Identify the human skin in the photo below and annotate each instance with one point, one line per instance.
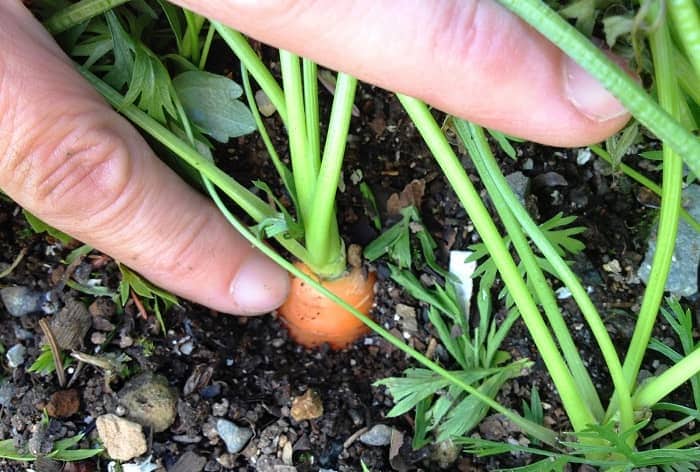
(67, 157)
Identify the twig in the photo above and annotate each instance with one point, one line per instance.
(55, 351)
(14, 264)
(139, 306)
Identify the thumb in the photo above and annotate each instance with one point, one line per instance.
(470, 58)
(68, 158)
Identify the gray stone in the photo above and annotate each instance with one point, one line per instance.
(520, 184)
(150, 401)
(235, 437)
(21, 301)
(189, 462)
(378, 435)
(683, 277)
(16, 355)
(122, 438)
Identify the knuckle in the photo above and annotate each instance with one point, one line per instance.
(68, 170)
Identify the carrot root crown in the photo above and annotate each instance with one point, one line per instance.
(313, 319)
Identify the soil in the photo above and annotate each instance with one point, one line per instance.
(248, 371)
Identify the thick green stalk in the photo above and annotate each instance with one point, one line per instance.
(576, 407)
(686, 20)
(313, 128)
(538, 431)
(304, 165)
(250, 203)
(656, 389)
(78, 13)
(578, 292)
(497, 187)
(672, 184)
(627, 90)
(322, 238)
(241, 48)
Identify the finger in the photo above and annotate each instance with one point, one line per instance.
(68, 158)
(469, 58)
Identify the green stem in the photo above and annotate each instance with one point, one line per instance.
(641, 179)
(78, 13)
(686, 20)
(322, 238)
(672, 183)
(304, 165)
(204, 55)
(251, 204)
(313, 127)
(656, 389)
(507, 205)
(627, 90)
(283, 171)
(543, 434)
(579, 413)
(241, 48)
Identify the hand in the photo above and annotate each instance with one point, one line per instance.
(75, 163)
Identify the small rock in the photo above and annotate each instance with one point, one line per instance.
(189, 462)
(122, 438)
(406, 316)
(186, 348)
(583, 156)
(63, 403)
(150, 401)
(612, 266)
(235, 437)
(220, 408)
(683, 277)
(98, 338)
(264, 104)
(378, 435)
(307, 406)
(549, 179)
(445, 453)
(22, 334)
(519, 183)
(21, 301)
(7, 393)
(16, 355)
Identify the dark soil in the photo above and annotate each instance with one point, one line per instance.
(248, 371)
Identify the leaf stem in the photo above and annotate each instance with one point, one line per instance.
(672, 184)
(627, 90)
(578, 410)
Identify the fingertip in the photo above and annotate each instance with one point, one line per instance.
(259, 286)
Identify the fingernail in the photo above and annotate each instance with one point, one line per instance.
(588, 95)
(260, 286)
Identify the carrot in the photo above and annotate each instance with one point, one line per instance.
(313, 319)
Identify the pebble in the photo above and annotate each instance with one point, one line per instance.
(220, 408)
(22, 334)
(16, 355)
(149, 401)
(683, 277)
(21, 301)
(189, 462)
(519, 183)
(186, 348)
(122, 438)
(235, 437)
(98, 338)
(445, 453)
(378, 435)
(264, 104)
(307, 406)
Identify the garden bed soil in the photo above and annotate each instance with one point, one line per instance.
(247, 370)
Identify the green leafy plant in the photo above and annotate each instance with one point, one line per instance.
(63, 450)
